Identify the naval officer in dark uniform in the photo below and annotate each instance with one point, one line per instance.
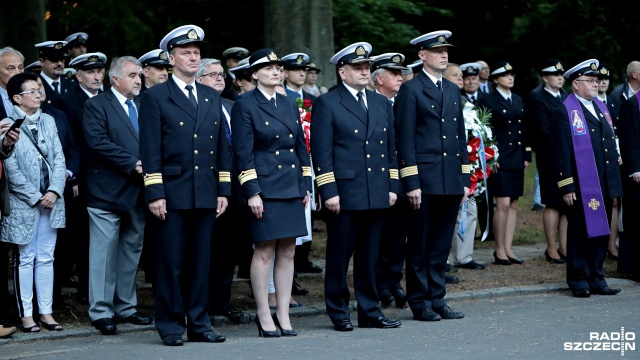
(434, 168)
(356, 170)
(588, 177)
(186, 162)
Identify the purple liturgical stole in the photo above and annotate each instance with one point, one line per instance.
(590, 192)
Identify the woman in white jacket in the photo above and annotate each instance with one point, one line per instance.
(36, 175)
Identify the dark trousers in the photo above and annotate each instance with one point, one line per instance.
(585, 256)
(149, 258)
(486, 210)
(357, 234)
(392, 249)
(231, 238)
(629, 250)
(182, 283)
(5, 302)
(72, 247)
(428, 244)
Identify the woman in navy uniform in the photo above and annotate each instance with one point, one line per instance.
(507, 184)
(275, 174)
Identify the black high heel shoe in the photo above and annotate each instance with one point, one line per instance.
(499, 261)
(266, 333)
(515, 260)
(283, 332)
(552, 260)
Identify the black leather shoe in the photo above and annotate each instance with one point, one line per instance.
(379, 323)
(537, 207)
(309, 268)
(446, 312)
(343, 325)
(581, 293)
(173, 340)
(451, 279)
(473, 265)
(229, 312)
(207, 337)
(400, 297)
(296, 289)
(552, 260)
(385, 297)
(515, 260)
(605, 291)
(499, 261)
(450, 268)
(138, 318)
(427, 314)
(106, 326)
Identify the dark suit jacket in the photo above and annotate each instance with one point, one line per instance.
(615, 101)
(72, 103)
(236, 189)
(509, 129)
(432, 147)
(604, 151)
(184, 151)
(479, 96)
(269, 148)
(69, 147)
(112, 182)
(66, 85)
(354, 153)
(629, 135)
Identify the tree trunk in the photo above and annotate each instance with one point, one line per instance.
(23, 26)
(302, 26)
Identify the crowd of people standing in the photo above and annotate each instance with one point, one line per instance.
(189, 168)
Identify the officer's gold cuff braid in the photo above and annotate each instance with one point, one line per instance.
(393, 174)
(247, 175)
(224, 176)
(325, 178)
(306, 171)
(152, 179)
(408, 171)
(565, 182)
(466, 169)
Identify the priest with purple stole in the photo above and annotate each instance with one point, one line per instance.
(588, 175)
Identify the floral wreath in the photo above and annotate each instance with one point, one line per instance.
(304, 107)
(480, 144)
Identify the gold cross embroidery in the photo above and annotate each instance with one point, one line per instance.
(593, 204)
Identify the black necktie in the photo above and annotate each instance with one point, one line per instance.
(472, 98)
(439, 85)
(55, 87)
(44, 170)
(559, 97)
(509, 101)
(273, 101)
(191, 97)
(227, 130)
(361, 101)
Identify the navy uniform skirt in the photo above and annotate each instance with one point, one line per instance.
(507, 183)
(282, 218)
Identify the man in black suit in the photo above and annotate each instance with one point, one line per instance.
(53, 55)
(64, 249)
(624, 91)
(187, 180)
(538, 109)
(231, 234)
(355, 163)
(434, 169)
(89, 75)
(114, 198)
(587, 175)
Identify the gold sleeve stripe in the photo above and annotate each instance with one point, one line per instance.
(527, 149)
(408, 171)
(565, 182)
(325, 179)
(393, 174)
(152, 179)
(224, 176)
(247, 175)
(306, 171)
(466, 169)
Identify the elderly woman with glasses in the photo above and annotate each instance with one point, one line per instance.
(36, 174)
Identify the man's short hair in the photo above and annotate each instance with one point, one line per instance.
(117, 66)
(204, 65)
(8, 50)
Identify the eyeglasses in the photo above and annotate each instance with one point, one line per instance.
(590, 81)
(214, 75)
(32, 92)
